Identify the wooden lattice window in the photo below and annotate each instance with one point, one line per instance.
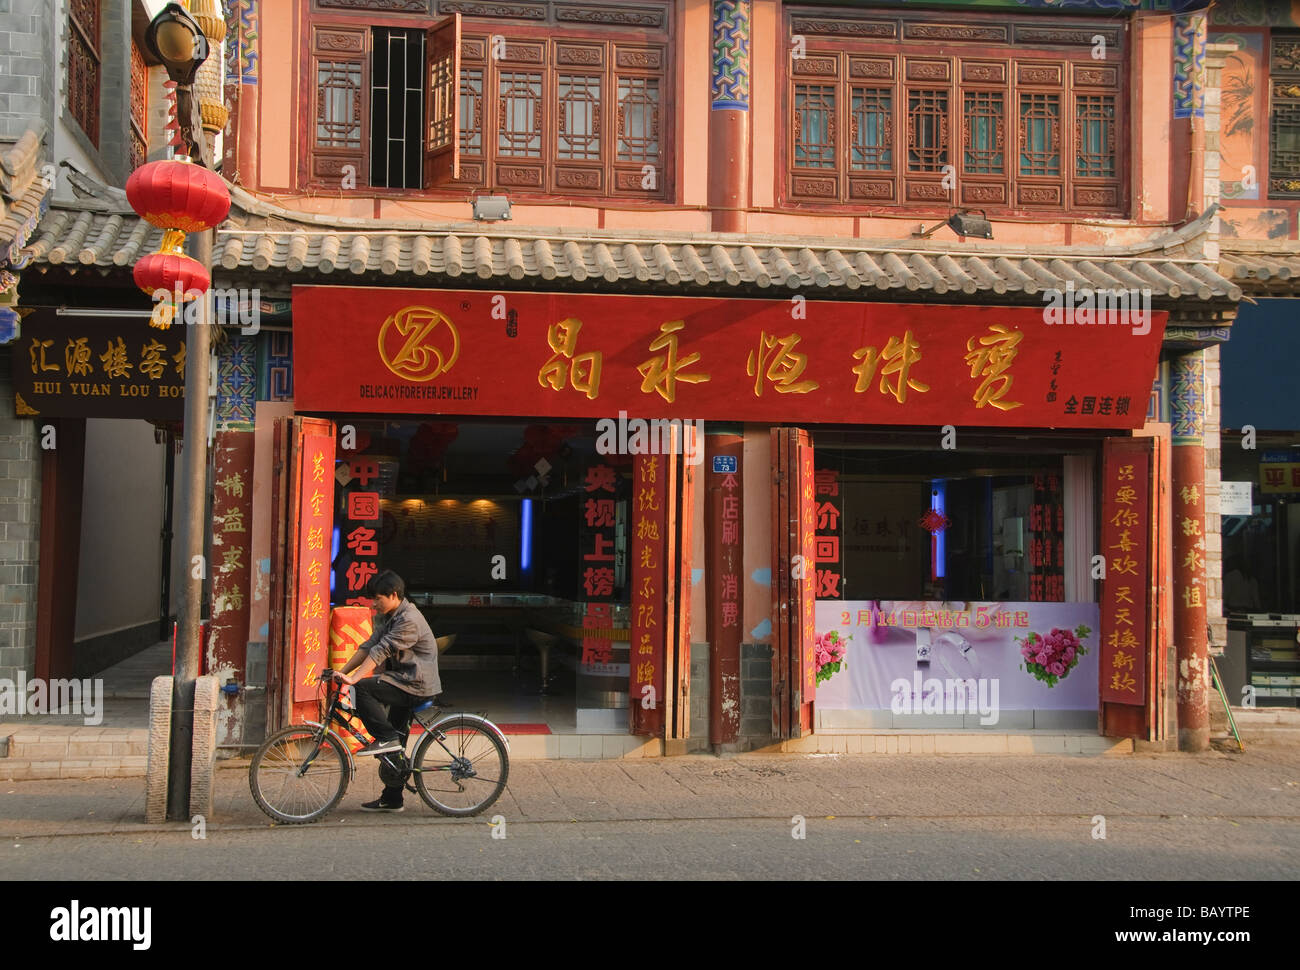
(994, 113)
(139, 143)
(871, 130)
(84, 25)
(1040, 134)
(1094, 141)
(983, 133)
(1284, 117)
(569, 107)
(927, 130)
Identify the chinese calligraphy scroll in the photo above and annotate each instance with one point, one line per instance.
(724, 535)
(1125, 545)
(232, 517)
(650, 596)
(316, 526)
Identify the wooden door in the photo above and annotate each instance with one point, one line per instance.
(794, 583)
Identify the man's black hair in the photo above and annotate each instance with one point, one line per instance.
(387, 583)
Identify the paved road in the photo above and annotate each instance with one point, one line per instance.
(1215, 816)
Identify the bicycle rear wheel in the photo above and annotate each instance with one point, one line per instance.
(461, 766)
(283, 789)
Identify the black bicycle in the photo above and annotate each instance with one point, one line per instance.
(459, 766)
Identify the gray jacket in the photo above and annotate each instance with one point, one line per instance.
(404, 649)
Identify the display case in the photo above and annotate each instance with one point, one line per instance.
(1272, 657)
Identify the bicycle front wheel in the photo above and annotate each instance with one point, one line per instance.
(461, 766)
(297, 776)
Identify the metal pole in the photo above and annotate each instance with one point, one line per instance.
(169, 498)
(193, 486)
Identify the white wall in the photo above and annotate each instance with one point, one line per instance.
(121, 521)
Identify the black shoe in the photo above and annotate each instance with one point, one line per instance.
(380, 747)
(379, 805)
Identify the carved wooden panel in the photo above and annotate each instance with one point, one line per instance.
(424, 7)
(587, 179)
(612, 15)
(871, 67)
(511, 11)
(824, 188)
(919, 70)
(816, 65)
(993, 193)
(338, 40)
(473, 48)
(872, 190)
(1096, 197)
(1038, 195)
(1089, 75)
(585, 56)
(996, 33)
(631, 181)
(517, 53)
(844, 28)
(525, 176)
(1066, 36)
(645, 59)
(983, 72)
(1030, 73)
(927, 192)
(471, 172)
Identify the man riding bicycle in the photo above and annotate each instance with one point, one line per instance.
(405, 651)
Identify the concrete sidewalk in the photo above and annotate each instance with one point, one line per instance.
(1263, 782)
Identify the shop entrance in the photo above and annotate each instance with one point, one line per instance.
(521, 542)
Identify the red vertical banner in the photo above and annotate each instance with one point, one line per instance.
(359, 535)
(1126, 589)
(724, 560)
(650, 496)
(807, 590)
(829, 555)
(316, 524)
(232, 517)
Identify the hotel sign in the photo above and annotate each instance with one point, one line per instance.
(399, 351)
(96, 367)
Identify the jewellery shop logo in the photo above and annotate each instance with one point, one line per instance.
(958, 693)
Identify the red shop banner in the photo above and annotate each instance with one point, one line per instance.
(1125, 539)
(649, 578)
(411, 351)
(316, 515)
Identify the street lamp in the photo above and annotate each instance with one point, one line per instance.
(175, 38)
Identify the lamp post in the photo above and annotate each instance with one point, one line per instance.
(175, 39)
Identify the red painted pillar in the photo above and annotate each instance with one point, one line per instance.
(243, 40)
(1187, 130)
(729, 115)
(724, 563)
(1188, 405)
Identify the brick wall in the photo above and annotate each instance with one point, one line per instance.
(26, 80)
(20, 499)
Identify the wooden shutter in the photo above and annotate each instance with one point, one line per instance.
(794, 583)
(339, 112)
(442, 103)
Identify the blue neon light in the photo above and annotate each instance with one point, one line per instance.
(938, 499)
(334, 555)
(526, 535)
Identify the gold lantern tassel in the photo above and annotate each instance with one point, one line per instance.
(164, 312)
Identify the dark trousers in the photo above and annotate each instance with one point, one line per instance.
(384, 710)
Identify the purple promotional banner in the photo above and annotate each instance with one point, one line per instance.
(901, 656)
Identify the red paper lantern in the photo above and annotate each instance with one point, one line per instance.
(171, 272)
(177, 194)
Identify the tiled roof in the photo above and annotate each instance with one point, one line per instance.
(1263, 267)
(24, 194)
(262, 241)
